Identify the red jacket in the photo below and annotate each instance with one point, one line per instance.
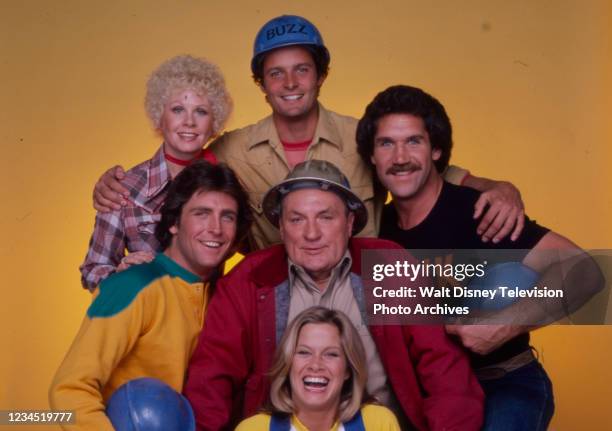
(430, 375)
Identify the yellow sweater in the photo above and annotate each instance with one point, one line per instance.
(144, 322)
(375, 418)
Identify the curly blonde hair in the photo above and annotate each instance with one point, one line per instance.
(185, 72)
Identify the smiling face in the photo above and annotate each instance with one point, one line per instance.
(403, 155)
(290, 82)
(315, 228)
(206, 232)
(186, 124)
(318, 369)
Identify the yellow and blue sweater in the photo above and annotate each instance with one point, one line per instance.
(375, 418)
(143, 322)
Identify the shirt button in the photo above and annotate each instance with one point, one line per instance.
(262, 297)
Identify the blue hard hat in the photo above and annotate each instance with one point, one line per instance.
(148, 404)
(286, 30)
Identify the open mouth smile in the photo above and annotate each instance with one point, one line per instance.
(188, 136)
(315, 383)
(211, 244)
(403, 171)
(292, 97)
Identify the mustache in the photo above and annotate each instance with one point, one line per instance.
(404, 167)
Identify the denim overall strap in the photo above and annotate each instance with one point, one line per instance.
(280, 423)
(355, 424)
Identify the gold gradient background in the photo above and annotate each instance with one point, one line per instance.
(528, 85)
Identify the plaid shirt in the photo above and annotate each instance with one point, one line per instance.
(133, 226)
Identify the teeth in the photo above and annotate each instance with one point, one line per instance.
(315, 380)
(213, 244)
(294, 97)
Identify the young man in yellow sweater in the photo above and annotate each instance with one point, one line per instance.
(144, 321)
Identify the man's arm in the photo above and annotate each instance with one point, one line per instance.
(562, 265)
(506, 210)
(99, 346)
(505, 214)
(109, 194)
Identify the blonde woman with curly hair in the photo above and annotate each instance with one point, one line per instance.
(318, 380)
(188, 105)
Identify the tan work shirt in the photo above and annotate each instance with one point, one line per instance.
(338, 295)
(257, 156)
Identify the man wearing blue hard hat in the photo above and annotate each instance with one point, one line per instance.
(290, 63)
(405, 135)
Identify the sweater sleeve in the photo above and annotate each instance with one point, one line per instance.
(101, 343)
(379, 418)
(259, 422)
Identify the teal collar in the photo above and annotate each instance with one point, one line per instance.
(176, 270)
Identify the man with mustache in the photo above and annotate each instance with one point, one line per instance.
(405, 135)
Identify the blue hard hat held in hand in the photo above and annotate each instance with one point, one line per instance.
(509, 274)
(286, 30)
(148, 404)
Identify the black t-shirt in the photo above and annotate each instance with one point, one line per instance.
(450, 225)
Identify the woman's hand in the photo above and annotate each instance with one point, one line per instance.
(135, 258)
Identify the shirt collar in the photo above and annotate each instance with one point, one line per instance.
(154, 181)
(265, 131)
(174, 269)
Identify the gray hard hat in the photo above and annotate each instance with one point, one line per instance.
(315, 174)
